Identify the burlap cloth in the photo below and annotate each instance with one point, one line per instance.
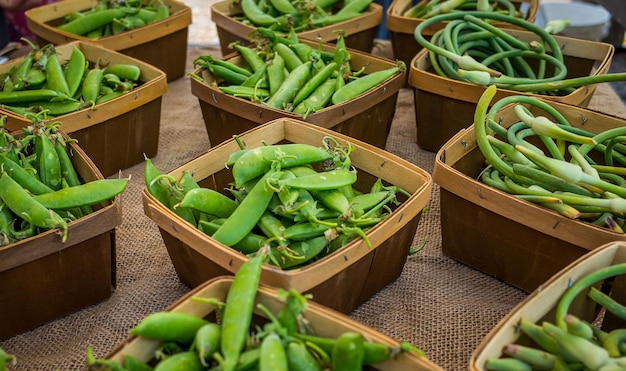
(441, 306)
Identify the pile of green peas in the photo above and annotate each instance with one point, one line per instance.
(299, 15)
(40, 189)
(42, 82)
(298, 199)
(284, 342)
(110, 17)
(286, 74)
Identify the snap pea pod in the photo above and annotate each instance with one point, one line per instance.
(92, 21)
(256, 161)
(246, 215)
(365, 83)
(24, 205)
(290, 87)
(90, 193)
(238, 311)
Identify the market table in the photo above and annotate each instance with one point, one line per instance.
(441, 306)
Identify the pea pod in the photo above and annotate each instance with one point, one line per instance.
(251, 243)
(89, 193)
(273, 355)
(92, 21)
(246, 215)
(326, 180)
(91, 85)
(184, 361)
(257, 161)
(347, 354)
(208, 201)
(300, 359)
(48, 160)
(290, 87)
(315, 82)
(25, 179)
(125, 71)
(55, 77)
(318, 99)
(169, 326)
(292, 61)
(26, 96)
(207, 342)
(359, 86)
(275, 72)
(238, 311)
(24, 205)
(75, 70)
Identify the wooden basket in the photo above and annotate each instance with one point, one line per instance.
(162, 44)
(540, 305)
(367, 117)
(342, 280)
(360, 31)
(324, 322)
(117, 133)
(401, 28)
(518, 242)
(443, 106)
(44, 278)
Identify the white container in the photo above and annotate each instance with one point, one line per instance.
(589, 21)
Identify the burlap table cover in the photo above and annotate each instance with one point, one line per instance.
(441, 306)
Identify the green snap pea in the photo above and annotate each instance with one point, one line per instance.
(169, 326)
(304, 251)
(48, 161)
(300, 359)
(315, 82)
(24, 178)
(246, 215)
(24, 205)
(90, 88)
(238, 311)
(54, 108)
(75, 70)
(25, 96)
(133, 364)
(318, 99)
(251, 93)
(251, 242)
(290, 87)
(89, 193)
(252, 10)
(208, 201)
(373, 352)
(92, 21)
(305, 231)
(205, 60)
(359, 86)
(258, 79)
(354, 7)
(326, 180)
(124, 71)
(273, 355)
(257, 161)
(184, 361)
(292, 61)
(55, 77)
(207, 342)
(347, 354)
(153, 179)
(275, 72)
(249, 55)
